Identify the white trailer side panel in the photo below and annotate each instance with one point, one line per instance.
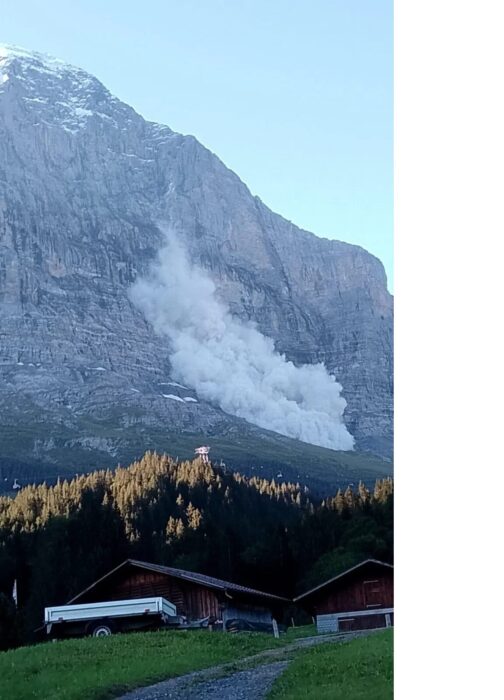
(110, 609)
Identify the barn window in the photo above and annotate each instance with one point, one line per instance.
(372, 594)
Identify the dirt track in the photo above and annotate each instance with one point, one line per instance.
(246, 679)
(253, 684)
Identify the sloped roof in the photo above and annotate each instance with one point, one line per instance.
(342, 575)
(202, 579)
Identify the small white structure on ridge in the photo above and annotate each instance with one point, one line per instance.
(203, 453)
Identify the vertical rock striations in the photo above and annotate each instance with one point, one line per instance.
(84, 184)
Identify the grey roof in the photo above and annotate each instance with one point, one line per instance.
(342, 575)
(203, 579)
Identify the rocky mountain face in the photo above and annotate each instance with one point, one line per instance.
(84, 184)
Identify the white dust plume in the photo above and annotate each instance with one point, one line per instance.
(230, 363)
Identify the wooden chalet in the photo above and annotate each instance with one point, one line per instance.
(196, 596)
(360, 598)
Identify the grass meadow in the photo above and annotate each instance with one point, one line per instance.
(358, 670)
(98, 668)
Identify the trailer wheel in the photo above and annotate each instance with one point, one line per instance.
(102, 630)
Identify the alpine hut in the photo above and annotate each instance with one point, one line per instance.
(359, 598)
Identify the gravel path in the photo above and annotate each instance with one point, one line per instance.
(253, 684)
(225, 682)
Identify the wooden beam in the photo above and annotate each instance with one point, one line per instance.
(360, 613)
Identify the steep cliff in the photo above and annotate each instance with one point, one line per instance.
(84, 184)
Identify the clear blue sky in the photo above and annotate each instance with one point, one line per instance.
(294, 95)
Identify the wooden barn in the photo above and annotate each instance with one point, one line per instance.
(196, 596)
(360, 598)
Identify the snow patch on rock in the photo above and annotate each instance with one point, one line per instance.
(173, 397)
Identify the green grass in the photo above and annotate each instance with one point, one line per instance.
(300, 632)
(358, 670)
(97, 669)
(94, 669)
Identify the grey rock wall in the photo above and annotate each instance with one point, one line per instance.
(85, 183)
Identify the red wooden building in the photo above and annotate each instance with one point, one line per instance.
(196, 596)
(360, 598)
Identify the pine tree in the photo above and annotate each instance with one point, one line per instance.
(349, 498)
(194, 517)
(339, 501)
(364, 495)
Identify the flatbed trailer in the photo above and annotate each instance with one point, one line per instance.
(106, 618)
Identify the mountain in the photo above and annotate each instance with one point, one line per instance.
(84, 184)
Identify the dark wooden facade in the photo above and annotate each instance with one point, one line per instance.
(195, 596)
(191, 600)
(367, 587)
